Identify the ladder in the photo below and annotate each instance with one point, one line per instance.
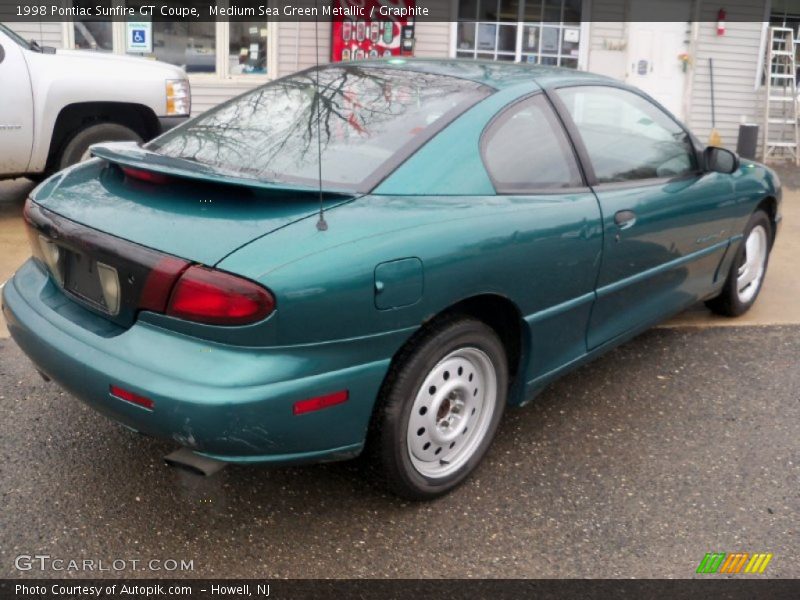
(781, 112)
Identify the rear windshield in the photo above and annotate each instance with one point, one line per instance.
(371, 119)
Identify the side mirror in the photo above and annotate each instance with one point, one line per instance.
(720, 160)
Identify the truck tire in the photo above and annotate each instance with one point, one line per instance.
(77, 147)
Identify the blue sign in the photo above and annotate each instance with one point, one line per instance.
(138, 36)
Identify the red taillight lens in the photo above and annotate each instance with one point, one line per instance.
(217, 298)
(128, 396)
(159, 283)
(148, 176)
(320, 402)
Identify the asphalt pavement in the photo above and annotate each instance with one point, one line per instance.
(679, 443)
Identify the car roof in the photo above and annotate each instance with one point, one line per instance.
(498, 75)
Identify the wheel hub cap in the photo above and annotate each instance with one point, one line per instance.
(751, 271)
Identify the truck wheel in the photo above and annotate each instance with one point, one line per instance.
(77, 147)
(440, 408)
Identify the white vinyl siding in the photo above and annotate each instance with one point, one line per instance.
(298, 46)
(433, 39)
(607, 38)
(736, 59)
(45, 33)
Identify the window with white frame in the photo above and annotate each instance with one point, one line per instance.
(221, 48)
(546, 32)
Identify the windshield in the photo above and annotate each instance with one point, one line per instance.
(15, 36)
(371, 119)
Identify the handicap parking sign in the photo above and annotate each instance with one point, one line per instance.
(140, 37)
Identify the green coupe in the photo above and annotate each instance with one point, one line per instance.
(379, 257)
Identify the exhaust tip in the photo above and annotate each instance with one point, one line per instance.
(194, 463)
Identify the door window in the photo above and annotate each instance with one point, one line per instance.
(627, 137)
(525, 149)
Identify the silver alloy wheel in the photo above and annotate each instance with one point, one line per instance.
(751, 271)
(452, 412)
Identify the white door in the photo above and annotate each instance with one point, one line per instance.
(654, 65)
(16, 108)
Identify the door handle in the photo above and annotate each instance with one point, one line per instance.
(625, 219)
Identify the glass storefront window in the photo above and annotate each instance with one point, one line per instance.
(188, 44)
(551, 34)
(92, 35)
(221, 48)
(247, 48)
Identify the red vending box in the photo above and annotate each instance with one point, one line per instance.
(358, 36)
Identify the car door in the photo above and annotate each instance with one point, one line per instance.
(16, 108)
(666, 223)
(556, 229)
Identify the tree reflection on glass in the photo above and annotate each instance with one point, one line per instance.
(367, 116)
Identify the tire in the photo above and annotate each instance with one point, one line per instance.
(78, 145)
(749, 263)
(440, 407)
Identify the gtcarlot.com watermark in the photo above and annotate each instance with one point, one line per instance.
(45, 562)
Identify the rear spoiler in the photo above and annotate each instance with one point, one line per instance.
(133, 156)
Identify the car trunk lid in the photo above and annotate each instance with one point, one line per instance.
(97, 229)
(193, 213)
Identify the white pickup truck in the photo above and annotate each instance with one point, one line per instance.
(56, 103)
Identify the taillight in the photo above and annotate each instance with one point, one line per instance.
(218, 298)
(148, 176)
(159, 283)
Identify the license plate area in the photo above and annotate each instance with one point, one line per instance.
(85, 278)
(98, 270)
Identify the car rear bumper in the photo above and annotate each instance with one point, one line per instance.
(231, 403)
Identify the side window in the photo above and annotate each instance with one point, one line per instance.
(525, 149)
(627, 137)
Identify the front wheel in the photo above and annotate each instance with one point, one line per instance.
(440, 407)
(747, 271)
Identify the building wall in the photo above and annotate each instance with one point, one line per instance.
(608, 42)
(298, 47)
(46, 33)
(736, 59)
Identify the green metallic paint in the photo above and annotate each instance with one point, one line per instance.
(399, 283)
(228, 392)
(202, 222)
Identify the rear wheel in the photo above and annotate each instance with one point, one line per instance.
(747, 271)
(77, 147)
(440, 407)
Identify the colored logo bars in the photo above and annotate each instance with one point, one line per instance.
(720, 562)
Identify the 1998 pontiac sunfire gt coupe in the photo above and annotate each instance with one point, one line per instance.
(380, 255)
